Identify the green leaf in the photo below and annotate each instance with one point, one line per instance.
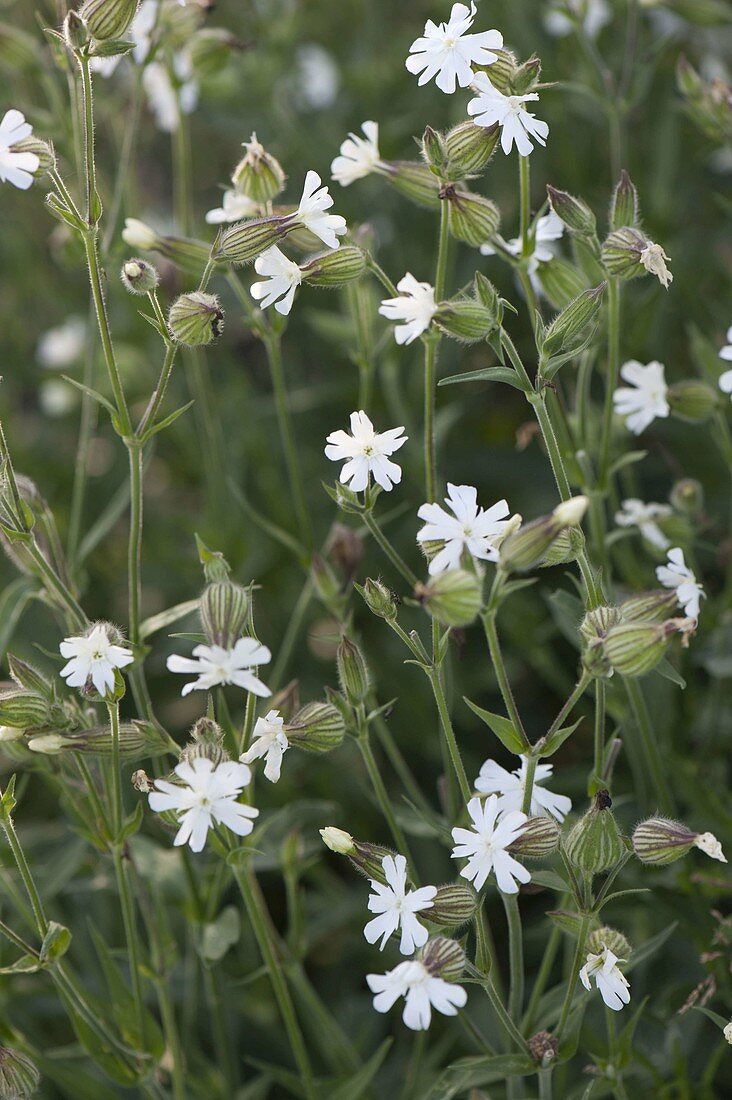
(650, 947)
(166, 422)
(487, 374)
(26, 964)
(13, 603)
(564, 919)
(503, 728)
(356, 1085)
(56, 942)
(557, 739)
(551, 880)
(622, 894)
(121, 1003)
(475, 1072)
(720, 1021)
(167, 618)
(628, 459)
(220, 934)
(624, 1042)
(111, 47)
(94, 394)
(666, 669)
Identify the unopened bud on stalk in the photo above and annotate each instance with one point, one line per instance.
(635, 648)
(23, 710)
(687, 496)
(692, 401)
(624, 205)
(434, 151)
(444, 958)
(366, 858)
(379, 599)
(465, 320)
(561, 550)
(453, 906)
(196, 319)
(539, 838)
(594, 843)
(526, 76)
(527, 546)
(186, 253)
(597, 622)
(413, 180)
(353, 672)
(108, 18)
(19, 1078)
(485, 292)
(628, 254)
(611, 938)
(325, 582)
(207, 741)
(76, 32)
(224, 608)
(571, 323)
(469, 148)
(473, 218)
(136, 739)
(453, 598)
(244, 241)
(333, 269)
(317, 727)
(30, 678)
(49, 744)
(660, 841)
(258, 175)
(337, 840)
(574, 213)
(649, 606)
(42, 150)
(503, 70)
(139, 277)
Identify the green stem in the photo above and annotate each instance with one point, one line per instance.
(525, 201)
(134, 551)
(124, 426)
(545, 1084)
(152, 410)
(92, 198)
(613, 368)
(531, 763)
(516, 956)
(648, 740)
(396, 560)
(600, 693)
(25, 874)
(380, 791)
(273, 347)
(494, 648)
(258, 919)
(121, 871)
(447, 728)
(116, 768)
(431, 349)
(87, 424)
(577, 693)
(76, 612)
(503, 1017)
(579, 952)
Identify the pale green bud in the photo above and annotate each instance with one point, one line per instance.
(465, 320)
(597, 622)
(444, 958)
(453, 598)
(379, 599)
(139, 277)
(108, 18)
(337, 840)
(527, 547)
(434, 151)
(473, 218)
(611, 938)
(635, 648)
(624, 205)
(648, 606)
(136, 740)
(23, 710)
(258, 175)
(687, 496)
(207, 741)
(453, 906)
(41, 149)
(353, 672)
(75, 30)
(503, 70)
(660, 841)
(29, 678)
(366, 858)
(317, 727)
(526, 76)
(693, 401)
(19, 1078)
(188, 254)
(195, 319)
(469, 148)
(244, 241)
(566, 329)
(224, 609)
(334, 268)
(561, 550)
(574, 213)
(539, 838)
(594, 843)
(413, 180)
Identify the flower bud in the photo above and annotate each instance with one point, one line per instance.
(473, 218)
(611, 938)
(595, 661)
(574, 213)
(136, 740)
(624, 205)
(23, 710)
(469, 148)
(327, 586)
(334, 268)
(660, 841)
(453, 906)
(597, 622)
(465, 319)
(337, 840)
(687, 496)
(434, 151)
(224, 608)
(379, 599)
(10, 733)
(693, 401)
(19, 1078)
(528, 546)
(453, 598)
(138, 234)
(571, 512)
(485, 292)
(561, 282)
(570, 324)
(49, 744)
(628, 254)
(503, 70)
(444, 958)
(108, 18)
(366, 858)
(414, 181)
(186, 253)
(317, 727)
(539, 838)
(258, 175)
(195, 319)
(75, 30)
(526, 76)
(139, 277)
(207, 741)
(244, 241)
(561, 550)
(635, 648)
(41, 149)
(353, 673)
(594, 843)
(648, 606)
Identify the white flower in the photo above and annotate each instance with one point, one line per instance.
(367, 453)
(447, 53)
(422, 991)
(62, 346)
(209, 797)
(518, 126)
(727, 1032)
(94, 657)
(470, 528)
(593, 16)
(396, 907)
(676, 574)
(215, 666)
(16, 168)
(283, 277)
(316, 199)
(613, 985)
(654, 260)
(139, 235)
(56, 398)
(165, 100)
(708, 843)
(646, 400)
(549, 228)
(317, 78)
(634, 513)
(416, 307)
(359, 156)
(484, 846)
(234, 208)
(510, 786)
(270, 740)
(726, 352)
(725, 380)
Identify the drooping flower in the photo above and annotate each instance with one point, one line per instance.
(282, 278)
(484, 846)
(645, 398)
(510, 786)
(654, 261)
(16, 167)
(635, 513)
(311, 212)
(469, 528)
(62, 346)
(725, 380)
(708, 843)
(727, 1032)
(421, 990)
(165, 100)
(93, 657)
(358, 155)
(415, 306)
(549, 229)
(366, 452)
(613, 986)
(209, 796)
(216, 666)
(270, 741)
(676, 574)
(234, 208)
(518, 126)
(396, 907)
(593, 15)
(447, 53)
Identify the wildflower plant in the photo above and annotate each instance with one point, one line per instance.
(503, 323)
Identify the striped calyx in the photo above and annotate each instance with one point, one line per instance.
(595, 844)
(660, 840)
